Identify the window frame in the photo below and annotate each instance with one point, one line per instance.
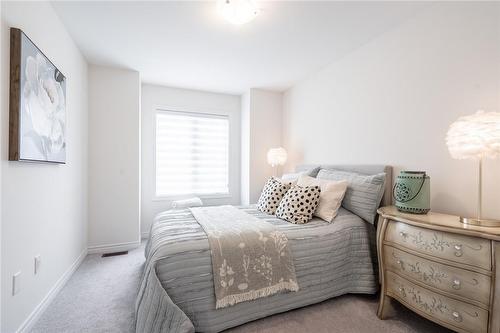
(203, 114)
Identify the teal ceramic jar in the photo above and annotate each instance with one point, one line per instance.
(412, 192)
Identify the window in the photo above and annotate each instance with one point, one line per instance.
(192, 154)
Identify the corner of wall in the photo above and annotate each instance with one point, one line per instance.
(114, 159)
(245, 148)
(262, 113)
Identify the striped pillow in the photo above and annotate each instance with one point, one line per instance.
(363, 194)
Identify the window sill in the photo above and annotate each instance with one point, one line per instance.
(201, 196)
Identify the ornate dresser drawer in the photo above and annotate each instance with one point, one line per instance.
(462, 249)
(440, 268)
(465, 284)
(459, 315)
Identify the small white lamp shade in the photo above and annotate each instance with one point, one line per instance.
(276, 156)
(475, 136)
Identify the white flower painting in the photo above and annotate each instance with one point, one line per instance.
(42, 122)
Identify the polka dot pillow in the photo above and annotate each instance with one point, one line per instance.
(299, 204)
(271, 195)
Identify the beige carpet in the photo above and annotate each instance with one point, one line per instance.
(346, 314)
(95, 300)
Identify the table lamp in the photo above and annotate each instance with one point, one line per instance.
(276, 157)
(476, 137)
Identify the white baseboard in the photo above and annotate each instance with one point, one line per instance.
(27, 325)
(109, 248)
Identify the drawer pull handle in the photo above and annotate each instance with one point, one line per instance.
(402, 234)
(456, 284)
(458, 250)
(399, 262)
(456, 316)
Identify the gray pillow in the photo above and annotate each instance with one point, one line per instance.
(363, 194)
(293, 177)
(311, 171)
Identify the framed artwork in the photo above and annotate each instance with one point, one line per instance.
(37, 106)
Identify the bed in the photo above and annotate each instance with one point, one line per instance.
(177, 291)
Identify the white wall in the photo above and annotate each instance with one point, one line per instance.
(114, 159)
(44, 206)
(154, 97)
(245, 148)
(392, 100)
(262, 113)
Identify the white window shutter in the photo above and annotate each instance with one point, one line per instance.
(192, 154)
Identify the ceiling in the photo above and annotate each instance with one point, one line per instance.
(186, 44)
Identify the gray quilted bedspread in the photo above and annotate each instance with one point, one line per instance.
(177, 290)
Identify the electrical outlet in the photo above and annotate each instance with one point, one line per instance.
(16, 283)
(38, 262)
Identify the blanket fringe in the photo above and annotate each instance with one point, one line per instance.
(254, 294)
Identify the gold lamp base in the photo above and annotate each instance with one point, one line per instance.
(480, 222)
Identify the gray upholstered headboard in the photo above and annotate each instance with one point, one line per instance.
(364, 169)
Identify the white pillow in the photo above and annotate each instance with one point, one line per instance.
(330, 198)
(186, 203)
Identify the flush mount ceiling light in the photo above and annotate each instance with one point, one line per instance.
(237, 11)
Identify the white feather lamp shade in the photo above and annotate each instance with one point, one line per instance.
(276, 156)
(475, 136)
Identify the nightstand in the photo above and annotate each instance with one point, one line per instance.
(445, 271)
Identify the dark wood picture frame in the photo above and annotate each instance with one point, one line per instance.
(15, 93)
(15, 97)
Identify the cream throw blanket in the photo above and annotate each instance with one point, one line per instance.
(250, 257)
